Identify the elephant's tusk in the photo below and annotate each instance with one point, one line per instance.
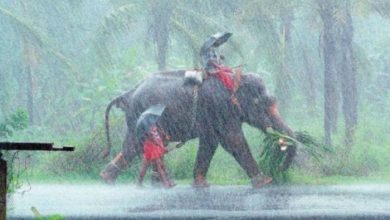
(283, 144)
(283, 147)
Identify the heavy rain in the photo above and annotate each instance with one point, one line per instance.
(170, 109)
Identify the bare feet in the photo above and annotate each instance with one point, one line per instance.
(261, 180)
(169, 185)
(200, 182)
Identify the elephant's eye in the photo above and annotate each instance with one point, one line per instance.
(256, 101)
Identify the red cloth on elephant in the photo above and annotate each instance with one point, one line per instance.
(225, 75)
(153, 146)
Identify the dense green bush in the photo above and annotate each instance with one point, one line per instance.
(14, 123)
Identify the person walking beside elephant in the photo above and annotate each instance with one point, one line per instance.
(154, 151)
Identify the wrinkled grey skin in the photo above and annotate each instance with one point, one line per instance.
(218, 121)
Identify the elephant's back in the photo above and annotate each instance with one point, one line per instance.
(167, 88)
(162, 86)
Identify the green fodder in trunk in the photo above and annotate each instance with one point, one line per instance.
(272, 156)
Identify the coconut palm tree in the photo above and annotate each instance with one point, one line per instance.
(340, 61)
(271, 24)
(164, 18)
(34, 45)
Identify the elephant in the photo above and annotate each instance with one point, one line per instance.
(213, 118)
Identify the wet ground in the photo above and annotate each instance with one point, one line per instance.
(220, 202)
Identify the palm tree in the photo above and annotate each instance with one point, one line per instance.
(164, 19)
(340, 62)
(274, 41)
(34, 44)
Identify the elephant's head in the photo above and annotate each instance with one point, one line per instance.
(260, 110)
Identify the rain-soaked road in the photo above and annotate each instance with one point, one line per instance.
(215, 202)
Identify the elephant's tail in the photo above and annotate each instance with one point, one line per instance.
(107, 151)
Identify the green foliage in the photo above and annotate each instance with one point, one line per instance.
(38, 215)
(180, 161)
(17, 121)
(272, 156)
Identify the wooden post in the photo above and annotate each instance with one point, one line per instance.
(3, 188)
(3, 166)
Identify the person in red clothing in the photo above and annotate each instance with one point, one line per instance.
(224, 74)
(154, 151)
(212, 60)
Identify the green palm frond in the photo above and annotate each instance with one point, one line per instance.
(272, 157)
(202, 19)
(24, 26)
(190, 37)
(118, 21)
(36, 37)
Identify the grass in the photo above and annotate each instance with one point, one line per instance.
(299, 178)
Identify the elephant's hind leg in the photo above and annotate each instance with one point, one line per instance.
(112, 169)
(122, 160)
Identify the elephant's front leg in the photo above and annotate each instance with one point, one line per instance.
(234, 142)
(207, 146)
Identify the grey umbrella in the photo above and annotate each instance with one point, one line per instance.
(216, 40)
(208, 50)
(147, 119)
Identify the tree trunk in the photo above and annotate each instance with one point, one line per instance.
(3, 188)
(309, 83)
(348, 80)
(161, 13)
(29, 63)
(283, 91)
(3, 95)
(339, 64)
(29, 93)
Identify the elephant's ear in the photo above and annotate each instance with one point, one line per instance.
(272, 107)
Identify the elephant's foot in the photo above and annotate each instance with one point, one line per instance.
(200, 182)
(260, 181)
(111, 171)
(108, 175)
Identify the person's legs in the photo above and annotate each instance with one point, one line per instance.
(167, 174)
(143, 170)
(162, 172)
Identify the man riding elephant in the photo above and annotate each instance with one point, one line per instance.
(211, 114)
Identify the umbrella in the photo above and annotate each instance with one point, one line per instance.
(147, 119)
(216, 40)
(221, 38)
(208, 50)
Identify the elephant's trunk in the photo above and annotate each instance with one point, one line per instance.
(279, 125)
(277, 122)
